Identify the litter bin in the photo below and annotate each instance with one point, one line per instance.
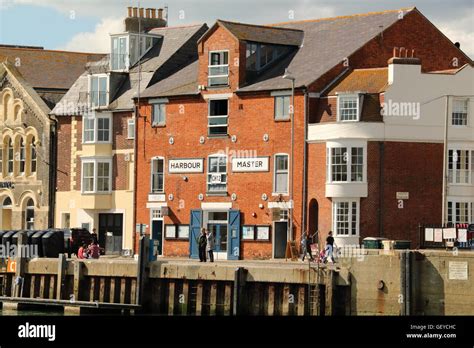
(37, 240)
(402, 244)
(8, 237)
(53, 243)
(29, 234)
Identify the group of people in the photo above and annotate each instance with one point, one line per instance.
(91, 251)
(206, 245)
(308, 239)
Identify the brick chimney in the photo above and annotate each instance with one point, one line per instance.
(403, 62)
(148, 19)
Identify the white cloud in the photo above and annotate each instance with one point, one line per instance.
(461, 31)
(97, 41)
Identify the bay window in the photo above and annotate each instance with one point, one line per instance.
(96, 175)
(345, 164)
(217, 173)
(460, 166)
(460, 212)
(97, 128)
(345, 217)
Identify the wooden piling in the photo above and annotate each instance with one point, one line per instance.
(213, 299)
(62, 264)
(199, 294)
(171, 289)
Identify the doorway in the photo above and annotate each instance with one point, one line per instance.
(313, 220)
(156, 237)
(217, 225)
(6, 214)
(280, 240)
(111, 232)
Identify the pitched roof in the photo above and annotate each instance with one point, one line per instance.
(365, 80)
(175, 49)
(47, 69)
(263, 34)
(326, 43)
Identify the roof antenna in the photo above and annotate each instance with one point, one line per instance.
(381, 34)
(166, 14)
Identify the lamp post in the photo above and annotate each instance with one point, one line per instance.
(288, 76)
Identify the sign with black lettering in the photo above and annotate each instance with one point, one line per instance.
(185, 165)
(254, 164)
(6, 184)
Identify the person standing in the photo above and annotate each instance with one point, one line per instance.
(329, 252)
(210, 245)
(202, 242)
(307, 241)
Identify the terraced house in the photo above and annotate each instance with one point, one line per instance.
(32, 81)
(267, 132)
(96, 127)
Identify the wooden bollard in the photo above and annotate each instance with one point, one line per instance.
(20, 264)
(62, 264)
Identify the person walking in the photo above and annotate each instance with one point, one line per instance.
(202, 242)
(306, 240)
(210, 245)
(329, 250)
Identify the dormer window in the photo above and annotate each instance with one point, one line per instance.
(218, 68)
(126, 50)
(98, 91)
(348, 107)
(258, 56)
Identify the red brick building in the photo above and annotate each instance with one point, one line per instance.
(214, 142)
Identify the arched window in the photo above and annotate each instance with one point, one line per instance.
(33, 155)
(10, 157)
(30, 215)
(22, 156)
(7, 203)
(1, 159)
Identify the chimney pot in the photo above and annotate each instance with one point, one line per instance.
(129, 11)
(141, 12)
(135, 11)
(160, 13)
(153, 13)
(148, 13)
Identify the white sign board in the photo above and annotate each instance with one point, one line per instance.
(186, 165)
(462, 235)
(215, 179)
(403, 195)
(429, 234)
(449, 233)
(458, 270)
(254, 164)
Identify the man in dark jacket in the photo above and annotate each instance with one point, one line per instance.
(202, 242)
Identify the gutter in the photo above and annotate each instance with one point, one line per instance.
(53, 154)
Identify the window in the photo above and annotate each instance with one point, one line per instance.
(460, 212)
(96, 175)
(97, 128)
(460, 166)
(157, 175)
(98, 90)
(10, 153)
(158, 115)
(217, 174)
(119, 56)
(131, 128)
(345, 164)
(281, 174)
(459, 114)
(217, 119)
(22, 156)
(30, 215)
(346, 217)
(33, 155)
(282, 107)
(218, 68)
(348, 108)
(103, 129)
(258, 56)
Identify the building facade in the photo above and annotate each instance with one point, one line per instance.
(96, 129)
(222, 145)
(32, 80)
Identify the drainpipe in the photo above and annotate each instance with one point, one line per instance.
(305, 164)
(445, 163)
(381, 186)
(53, 153)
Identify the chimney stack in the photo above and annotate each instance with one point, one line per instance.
(160, 13)
(141, 19)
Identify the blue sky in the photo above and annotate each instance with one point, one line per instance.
(84, 25)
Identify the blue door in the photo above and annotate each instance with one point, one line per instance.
(233, 244)
(195, 226)
(156, 245)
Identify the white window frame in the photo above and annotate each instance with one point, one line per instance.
(349, 146)
(350, 201)
(275, 192)
(98, 76)
(95, 161)
(131, 128)
(217, 116)
(128, 55)
(157, 158)
(96, 116)
(284, 117)
(452, 173)
(208, 173)
(458, 100)
(451, 212)
(342, 96)
(162, 112)
(22, 156)
(209, 77)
